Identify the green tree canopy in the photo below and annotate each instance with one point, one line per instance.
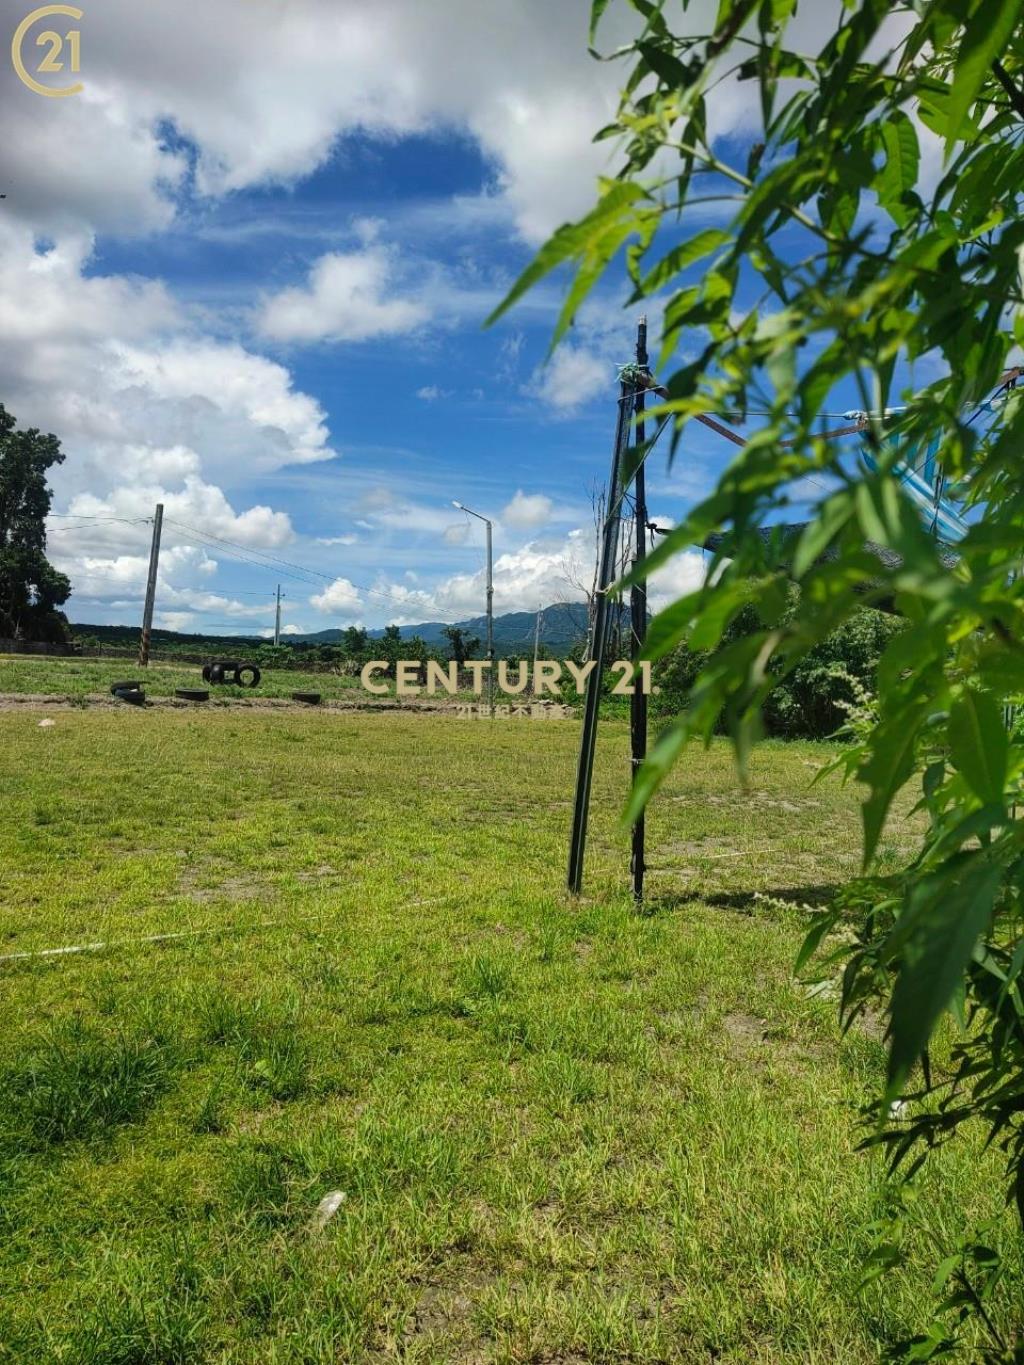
(31, 589)
(355, 642)
(461, 644)
(828, 254)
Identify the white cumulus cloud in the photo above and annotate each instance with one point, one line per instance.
(573, 376)
(349, 297)
(527, 511)
(340, 598)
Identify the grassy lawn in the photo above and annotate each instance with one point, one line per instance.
(564, 1132)
(76, 679)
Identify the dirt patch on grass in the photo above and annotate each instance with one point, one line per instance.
(700, 848)
(444, 1311)
(739, 800)
(26, 701)
(210, 881)
(746, 1031)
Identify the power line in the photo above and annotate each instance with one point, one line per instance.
(273, 559)
(313, 577)
(82, 516)
(252, 557)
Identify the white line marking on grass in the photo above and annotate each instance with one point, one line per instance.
(72, 949)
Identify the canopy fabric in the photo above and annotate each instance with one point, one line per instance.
(790, 532)
(921, 475)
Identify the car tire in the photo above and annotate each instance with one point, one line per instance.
(206, 673)
(134, 696)
(253, 673)
(310, 698)
(124, 687)
(191, 694)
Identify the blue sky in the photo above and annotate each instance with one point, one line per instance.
(255, 290)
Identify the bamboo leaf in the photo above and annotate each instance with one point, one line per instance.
(985, 36)
(677, 260)
(819, 534)
(898, 176)
(599, 234)
(597, 10)
(950, 915)
(979, 744)
(889, 767)
(656, 768)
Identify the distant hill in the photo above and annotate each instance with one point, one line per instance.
(128, 637)
(563, 625)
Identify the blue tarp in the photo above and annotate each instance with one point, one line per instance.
(919, 472)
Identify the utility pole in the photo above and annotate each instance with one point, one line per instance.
(628, 387)
(277, 619)
(490, 600)
(490, 620)
(154, 560)
(536, 647)
(638, 615)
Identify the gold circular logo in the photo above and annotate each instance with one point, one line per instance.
(58, 45)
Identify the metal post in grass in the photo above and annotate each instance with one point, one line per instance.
(490, 600)
(638, 615)
(277, 618)
(154, 560)
(599, 637)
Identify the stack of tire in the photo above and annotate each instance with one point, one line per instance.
(131, 692)
(230, 671)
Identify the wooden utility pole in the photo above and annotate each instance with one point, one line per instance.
(638, 616)
(536, 646)
(154, 561)
(277, 618)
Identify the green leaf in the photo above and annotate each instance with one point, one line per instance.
(667, 67)
(680, 257)
(671, 625)
(889, 767)
(657, 766)
(902, 162)
(810, 945)
(986, 34)
(979, 744)
(720, 606)
(819, 534)
(951, 913)
(597, 9)
(598, 235)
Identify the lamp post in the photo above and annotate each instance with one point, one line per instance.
(490, 601)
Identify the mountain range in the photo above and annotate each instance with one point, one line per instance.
(563, 624)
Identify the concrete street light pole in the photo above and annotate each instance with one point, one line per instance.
(490, 599)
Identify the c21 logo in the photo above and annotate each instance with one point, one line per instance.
(62, 50)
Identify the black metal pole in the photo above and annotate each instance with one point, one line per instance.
(599, 638)
(638, 616)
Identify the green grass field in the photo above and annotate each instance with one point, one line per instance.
(565, 1132)
(77, 679)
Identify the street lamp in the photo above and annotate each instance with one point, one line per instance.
(490, 600)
